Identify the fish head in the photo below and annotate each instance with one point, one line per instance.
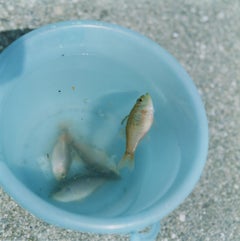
(60, 171)
(145, 101)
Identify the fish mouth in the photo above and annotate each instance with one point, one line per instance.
(147, 97)
(60, 176)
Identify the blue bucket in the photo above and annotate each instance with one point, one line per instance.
(87, 75)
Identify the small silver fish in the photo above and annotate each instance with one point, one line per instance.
(61, 156)
(96, 159)
(139, 122)
(78, 188)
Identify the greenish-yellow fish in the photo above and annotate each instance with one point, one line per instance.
(61, 156)
(139, 122)
(78, 188)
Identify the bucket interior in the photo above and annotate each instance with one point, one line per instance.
(88, 79)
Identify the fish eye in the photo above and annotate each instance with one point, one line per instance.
(140, 99)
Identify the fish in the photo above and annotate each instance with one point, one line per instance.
(61, 156)
(96, 160)
(139, 122)
(77, 188)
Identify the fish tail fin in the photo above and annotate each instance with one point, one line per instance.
(65, 132)
(127, 161)
(63, 127)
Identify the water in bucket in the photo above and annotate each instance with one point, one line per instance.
(91, 95)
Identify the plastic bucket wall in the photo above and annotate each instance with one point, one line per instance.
(89, 75)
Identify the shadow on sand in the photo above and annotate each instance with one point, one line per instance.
(7, 37)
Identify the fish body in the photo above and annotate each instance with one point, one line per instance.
(96, 159)
(139, 122)
(61, 156)
(78, 188)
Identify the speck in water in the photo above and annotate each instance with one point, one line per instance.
(100, 113)
(86, 101)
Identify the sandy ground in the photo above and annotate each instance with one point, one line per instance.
(205, 37)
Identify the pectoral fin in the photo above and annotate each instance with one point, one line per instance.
(124, 119)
